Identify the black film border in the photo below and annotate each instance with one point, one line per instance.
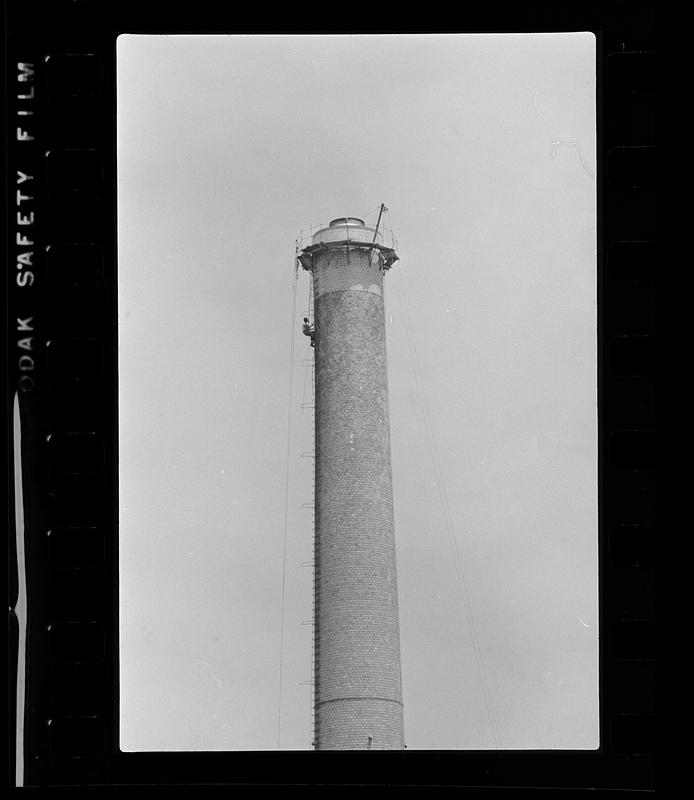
(62, 416)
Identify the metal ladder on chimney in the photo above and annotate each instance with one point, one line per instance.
(309, 364)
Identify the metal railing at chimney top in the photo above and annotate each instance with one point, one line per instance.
(386, 236)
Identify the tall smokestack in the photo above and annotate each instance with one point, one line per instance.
(358, 686)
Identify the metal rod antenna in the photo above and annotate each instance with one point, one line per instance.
(380, 213)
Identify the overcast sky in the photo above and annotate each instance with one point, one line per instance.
(483, 149)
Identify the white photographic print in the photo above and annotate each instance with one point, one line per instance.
(357, 301)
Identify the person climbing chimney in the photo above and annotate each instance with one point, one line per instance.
(309, 331)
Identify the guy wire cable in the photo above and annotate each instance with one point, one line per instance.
(447, 512)
(286, 501)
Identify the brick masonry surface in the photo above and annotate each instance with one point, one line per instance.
(358, 681)
(356, 270)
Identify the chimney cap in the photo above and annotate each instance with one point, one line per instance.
(341, 222)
